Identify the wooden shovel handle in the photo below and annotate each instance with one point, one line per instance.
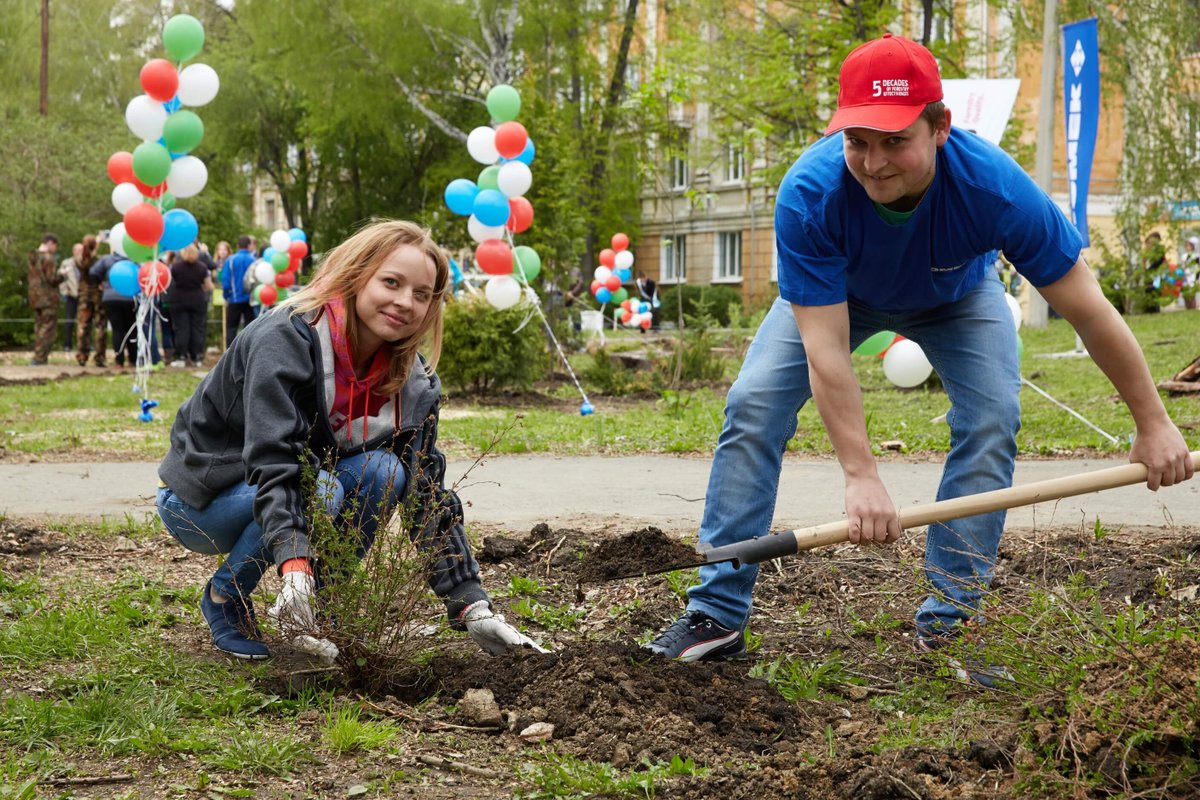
(972, 504)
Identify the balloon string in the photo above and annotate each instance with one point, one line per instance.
(1070, 411)
(536, 302)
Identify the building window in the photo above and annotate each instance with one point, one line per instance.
(727, 265)
(678, 167)
(735, 163)
(269, 204)
(674, 259)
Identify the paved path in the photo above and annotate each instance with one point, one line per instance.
(627, 492)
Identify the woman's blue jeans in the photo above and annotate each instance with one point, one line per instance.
(359, 492)
(972, 345)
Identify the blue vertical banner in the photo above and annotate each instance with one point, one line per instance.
(1081, 100)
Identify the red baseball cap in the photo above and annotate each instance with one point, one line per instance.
(885, 84)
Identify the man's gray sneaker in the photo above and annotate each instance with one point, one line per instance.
(698, 637)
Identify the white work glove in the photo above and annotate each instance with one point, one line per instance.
(293, 612)
(493, 635)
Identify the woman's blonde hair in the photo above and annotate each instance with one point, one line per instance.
(190, 253)
(347, 268)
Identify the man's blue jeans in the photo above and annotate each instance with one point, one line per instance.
(972, 345)
(358, 493)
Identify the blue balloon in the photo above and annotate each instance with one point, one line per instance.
(585, 408)
(460, 196)
(179, 229)
(268, 253)
(456, 272)
(603, 295)
(643, 308)
(526, 155)
(491, 207)
(123, 278)
(624, 275)
(297, 235)
(172, 105)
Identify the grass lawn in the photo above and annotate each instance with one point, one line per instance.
(95, 417)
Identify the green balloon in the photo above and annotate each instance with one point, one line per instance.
(280, 260)
(167, 201)
(876, 344)
(620, 296)
(136, 251)
(528, 261)
(151, 163)
(182, 131)
(489, 178)
(1020, 347)
(183, 36)
(503, 103)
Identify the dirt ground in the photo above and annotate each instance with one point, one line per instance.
(610, 702)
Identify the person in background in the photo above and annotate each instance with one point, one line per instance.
(44, 280)
(91, 321)
(191, 279)
(237, 300)
(648, 292)
(69, 290)
(329, 381)
(120, 310)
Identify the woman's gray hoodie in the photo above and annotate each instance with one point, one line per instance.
(262, 415)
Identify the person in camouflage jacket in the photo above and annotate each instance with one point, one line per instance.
(43, 297)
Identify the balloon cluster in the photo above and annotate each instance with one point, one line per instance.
(160, 170)
(279, 266)
(495, 204)
(616, 268)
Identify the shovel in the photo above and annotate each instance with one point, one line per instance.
(786, 543)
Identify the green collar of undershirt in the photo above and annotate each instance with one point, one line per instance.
(893, 217)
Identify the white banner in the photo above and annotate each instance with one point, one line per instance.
(982, 106)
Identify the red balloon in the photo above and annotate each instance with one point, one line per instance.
(147, 191)
(159, 79)
(494, 257)
(613, 283)
(144, 224)
(154, 277)
(520, 215)
(298, 249)
(267, 294)
(620, 242)
(608, 258)
(510, 139)
(293, 264)
(646, 323)
(285, 279)
(596, 286)
(626, 315)
(120, 167)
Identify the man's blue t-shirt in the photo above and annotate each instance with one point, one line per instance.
(834, 246)
(233, 278)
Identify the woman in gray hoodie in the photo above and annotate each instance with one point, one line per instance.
(328, 383)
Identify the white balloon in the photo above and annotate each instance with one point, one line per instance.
(1014, 308)
(280, 241)
(514, 179)
(116, 238)
(906, 365)
(198, 85)
(634, 320)
(602, 274)
(264, 272)
(125, 196)
(503, 291)
(481, 144)
(480, 232)
(145, 116)
(187, 177)
(624, 259)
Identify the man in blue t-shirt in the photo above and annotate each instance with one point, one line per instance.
(233, 285)
(893, 225)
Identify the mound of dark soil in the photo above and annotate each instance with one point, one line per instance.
(637, 553)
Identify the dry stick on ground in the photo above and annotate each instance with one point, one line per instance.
(92, 780)
(441, 763)
(436, 724)
(550, 555)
